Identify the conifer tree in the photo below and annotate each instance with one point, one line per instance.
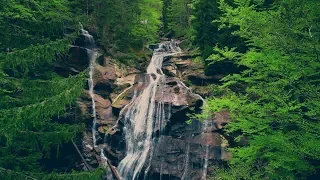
(32, 96)
(274, 102)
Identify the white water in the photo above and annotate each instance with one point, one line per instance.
(91, 85)
(104, 159)
(150, 159)
(88, 38)
(205, 125)
(90, 44)
(104, 162)
(186, 163)
(205, 165)
(161, 168)
(124, 91)
(139, 118)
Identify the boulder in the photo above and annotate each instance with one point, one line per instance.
(221, 119)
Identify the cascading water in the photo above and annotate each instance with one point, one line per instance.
(205, 166)
(143, 115)
(186, 163)
(91, 85)
(144, 123)
(206, 158)
(205, 125)
(92, 54)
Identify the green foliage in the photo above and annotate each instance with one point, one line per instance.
(21, 62)
(176, 20)
(146, 26)
(122, 25)
(32, 96)
(277, 114)
(222, 55)
(23, 23)
(9, 175)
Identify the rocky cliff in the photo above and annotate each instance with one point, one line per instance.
(184, 148)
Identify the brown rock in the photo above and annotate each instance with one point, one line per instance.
(221, 119)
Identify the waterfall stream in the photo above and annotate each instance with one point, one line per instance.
(205, 125)
(186, 163)
(91, 85)
(206, 158)
(92, 55)
(139, 118)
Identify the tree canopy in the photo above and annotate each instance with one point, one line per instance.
(32, 96)
(274, 101)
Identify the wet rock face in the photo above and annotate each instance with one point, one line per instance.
(79, 58)
(182, 152)
(177, 158)
(179, 140)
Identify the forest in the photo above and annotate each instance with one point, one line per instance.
(263, 54)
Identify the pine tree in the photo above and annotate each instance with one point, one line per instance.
(123, 25)
(274, 102)
(176, 18)
(32, 96)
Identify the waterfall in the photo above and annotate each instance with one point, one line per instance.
(206, 158)
(205, 125)
(91, 85)
(92, 54)
(143, 115)
(161, 167)
(205, 166)
(186, 163)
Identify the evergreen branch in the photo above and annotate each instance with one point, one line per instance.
(33, 56)
(8, 170)
(34, 113)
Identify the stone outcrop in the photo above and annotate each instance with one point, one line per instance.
(190, 72)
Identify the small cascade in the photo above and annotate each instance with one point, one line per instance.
(104, 159)
(92, 54)
(205, 126)
(205, 166)
(91, 85)
(186, 163)
(104, 162)
(161, 170)
(89, 40)
(160, 117)
(123, 92)
(150, 159)
(206, 158)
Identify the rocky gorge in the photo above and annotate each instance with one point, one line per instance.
(177, 149)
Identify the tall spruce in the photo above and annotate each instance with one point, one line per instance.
(126, 25)
(274, 102)
(32, 96)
